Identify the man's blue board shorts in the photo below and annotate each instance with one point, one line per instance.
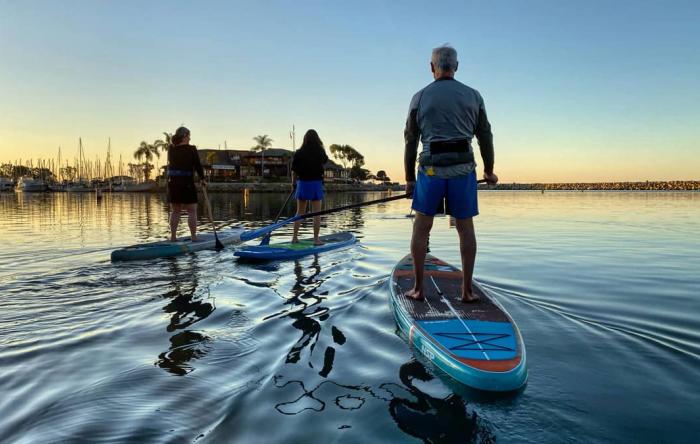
(309, 190)
(459, 193)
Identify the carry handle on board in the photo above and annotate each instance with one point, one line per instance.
(252, 234)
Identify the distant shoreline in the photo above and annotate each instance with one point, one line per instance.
(677, 185)
(599, 186)
(285, 187)
(593, 186)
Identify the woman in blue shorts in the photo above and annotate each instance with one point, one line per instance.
(307, 173)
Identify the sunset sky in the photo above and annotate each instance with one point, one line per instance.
(575, 91)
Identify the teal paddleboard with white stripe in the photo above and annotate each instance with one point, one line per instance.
(152, 250)
(477, 343)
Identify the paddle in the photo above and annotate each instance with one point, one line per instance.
(252, 234)
(266, 239)
(218, 245)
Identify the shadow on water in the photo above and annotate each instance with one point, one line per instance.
(185, 309)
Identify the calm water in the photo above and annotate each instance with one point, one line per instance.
(604, 286)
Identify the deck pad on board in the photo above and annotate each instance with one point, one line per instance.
(449, 280)
(307, 243)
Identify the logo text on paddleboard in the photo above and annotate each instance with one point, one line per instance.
(428, 354)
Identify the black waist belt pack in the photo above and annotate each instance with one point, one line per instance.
(448, 152)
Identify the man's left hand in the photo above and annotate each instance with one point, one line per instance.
(410, 187)
(491, 178)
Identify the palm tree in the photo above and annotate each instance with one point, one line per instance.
(263, 142)
(164, 145)
(146, 151)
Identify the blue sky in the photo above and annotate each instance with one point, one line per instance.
(579, 91)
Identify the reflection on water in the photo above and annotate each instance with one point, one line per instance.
(430, 418)
(185, 309)
(203, 348)
(305, 310)
(433, 419)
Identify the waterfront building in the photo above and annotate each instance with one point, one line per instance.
(332, 172)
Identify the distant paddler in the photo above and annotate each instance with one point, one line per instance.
(183, 162)
(445, 116)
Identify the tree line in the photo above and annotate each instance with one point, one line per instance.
(146, 152)
(345, 154)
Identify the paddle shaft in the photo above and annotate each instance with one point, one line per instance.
(252, 234)
(218, 243)
(284, 205)
(357, 205)
(348, 207)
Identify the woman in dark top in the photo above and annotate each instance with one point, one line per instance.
(183, 162)
(307, 173)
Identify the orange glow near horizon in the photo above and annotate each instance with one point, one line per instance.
(513, 164)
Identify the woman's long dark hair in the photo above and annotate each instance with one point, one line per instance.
(312, 143)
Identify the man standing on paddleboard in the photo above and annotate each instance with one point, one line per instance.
(445, 116)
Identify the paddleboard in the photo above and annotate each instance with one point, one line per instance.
(476, 343)
(205, 241)
(288, 250)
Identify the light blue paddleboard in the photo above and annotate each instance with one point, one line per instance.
(288, 250)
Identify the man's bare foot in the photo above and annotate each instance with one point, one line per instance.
(415, 294)
(173, 239)
(318, 242)
(469, 297)
(295, 240)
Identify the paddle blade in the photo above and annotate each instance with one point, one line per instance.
(265, 240)
(218, 245)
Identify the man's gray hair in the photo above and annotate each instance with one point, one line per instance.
(445, 59)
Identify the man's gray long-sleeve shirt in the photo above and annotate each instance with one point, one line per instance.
(446, 110)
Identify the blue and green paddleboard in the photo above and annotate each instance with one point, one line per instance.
(288, 250)
(477, 343)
